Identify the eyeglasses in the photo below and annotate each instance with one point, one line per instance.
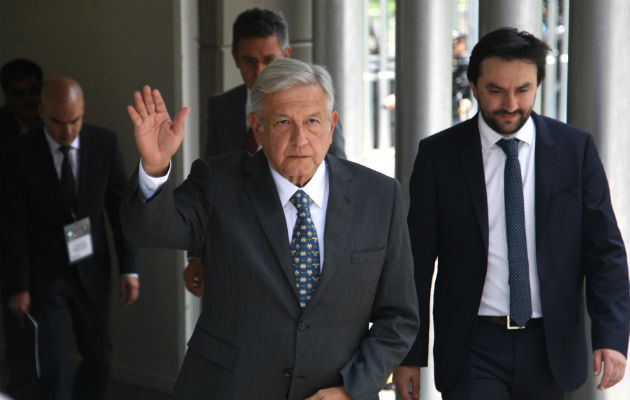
(33, 90)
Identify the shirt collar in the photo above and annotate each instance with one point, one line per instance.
(54, 146)
(315, 188)
(490, 137)
(248, 106)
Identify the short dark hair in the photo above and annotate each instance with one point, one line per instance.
(17, 70)
(260, 23)
(510, 44)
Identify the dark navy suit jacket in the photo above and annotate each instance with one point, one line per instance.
(578, 247)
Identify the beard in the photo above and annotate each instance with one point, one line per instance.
(502, 127)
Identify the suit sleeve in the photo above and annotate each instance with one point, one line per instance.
(127, 254)
(423, 232)
(171, 218)
(394, 315)
(606, 267)
(16, 263)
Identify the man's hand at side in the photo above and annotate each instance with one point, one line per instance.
(614, 367)
(129, 289)
(403, 376)
(193, 277)
(20, 304)
(332, 393)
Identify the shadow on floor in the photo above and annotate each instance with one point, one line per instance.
(121, 391)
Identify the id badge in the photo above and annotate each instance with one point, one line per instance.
(79, 240)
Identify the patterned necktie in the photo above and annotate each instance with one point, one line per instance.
(520, 296)
(67, 180)
(304, 249)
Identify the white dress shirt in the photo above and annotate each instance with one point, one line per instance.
(317, 189)
(248, 106)
(57, 155)
(495, 299)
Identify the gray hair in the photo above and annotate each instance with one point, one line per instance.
(287, 73)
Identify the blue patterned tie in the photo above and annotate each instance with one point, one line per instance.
(520, 296)
(304, 249)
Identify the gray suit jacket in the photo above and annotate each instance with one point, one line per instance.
(227, 128)
(252, 341)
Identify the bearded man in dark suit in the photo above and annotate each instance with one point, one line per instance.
(516, 209)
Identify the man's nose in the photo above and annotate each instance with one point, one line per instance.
(299, 135)
(510, 103)
(259, 67)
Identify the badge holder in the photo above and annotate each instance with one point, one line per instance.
(79, 240)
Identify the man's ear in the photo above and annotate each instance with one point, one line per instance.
(334, 117)
(287, 52)
(256, 127)
(474, 90)
(235, 59)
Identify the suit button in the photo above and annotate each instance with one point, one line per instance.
(287, 373)
(301, 325)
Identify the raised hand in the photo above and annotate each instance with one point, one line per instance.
(157, 137)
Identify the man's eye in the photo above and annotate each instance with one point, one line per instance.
(268, 60)
(282, 122)
(313, 121)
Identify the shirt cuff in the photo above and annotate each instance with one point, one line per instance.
(149, 185)
(135, 275)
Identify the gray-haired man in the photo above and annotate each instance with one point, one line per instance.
(279, 320)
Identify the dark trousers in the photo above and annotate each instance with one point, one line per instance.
(506, 365)
(91, 324)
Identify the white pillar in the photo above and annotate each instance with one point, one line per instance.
(423, 77)
(338, 45)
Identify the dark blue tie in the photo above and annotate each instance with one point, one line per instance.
(304, 249)
(68, 186)
(520, 296)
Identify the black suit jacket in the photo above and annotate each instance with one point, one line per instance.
(227, 127)
(38, 215)
(9, 126)
(252, 340)
(577, 242)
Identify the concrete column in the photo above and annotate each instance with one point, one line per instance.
(423, 78)
(522, 14)
(550, 85)
(598, 101)
(423, 97)
(338, 45)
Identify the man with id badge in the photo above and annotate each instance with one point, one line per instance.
(67, 175)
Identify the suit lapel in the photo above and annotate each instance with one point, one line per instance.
(82, 171)
(472, 168)
(339, 214)
(545, 164)
(44, 170)
(261, 191)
